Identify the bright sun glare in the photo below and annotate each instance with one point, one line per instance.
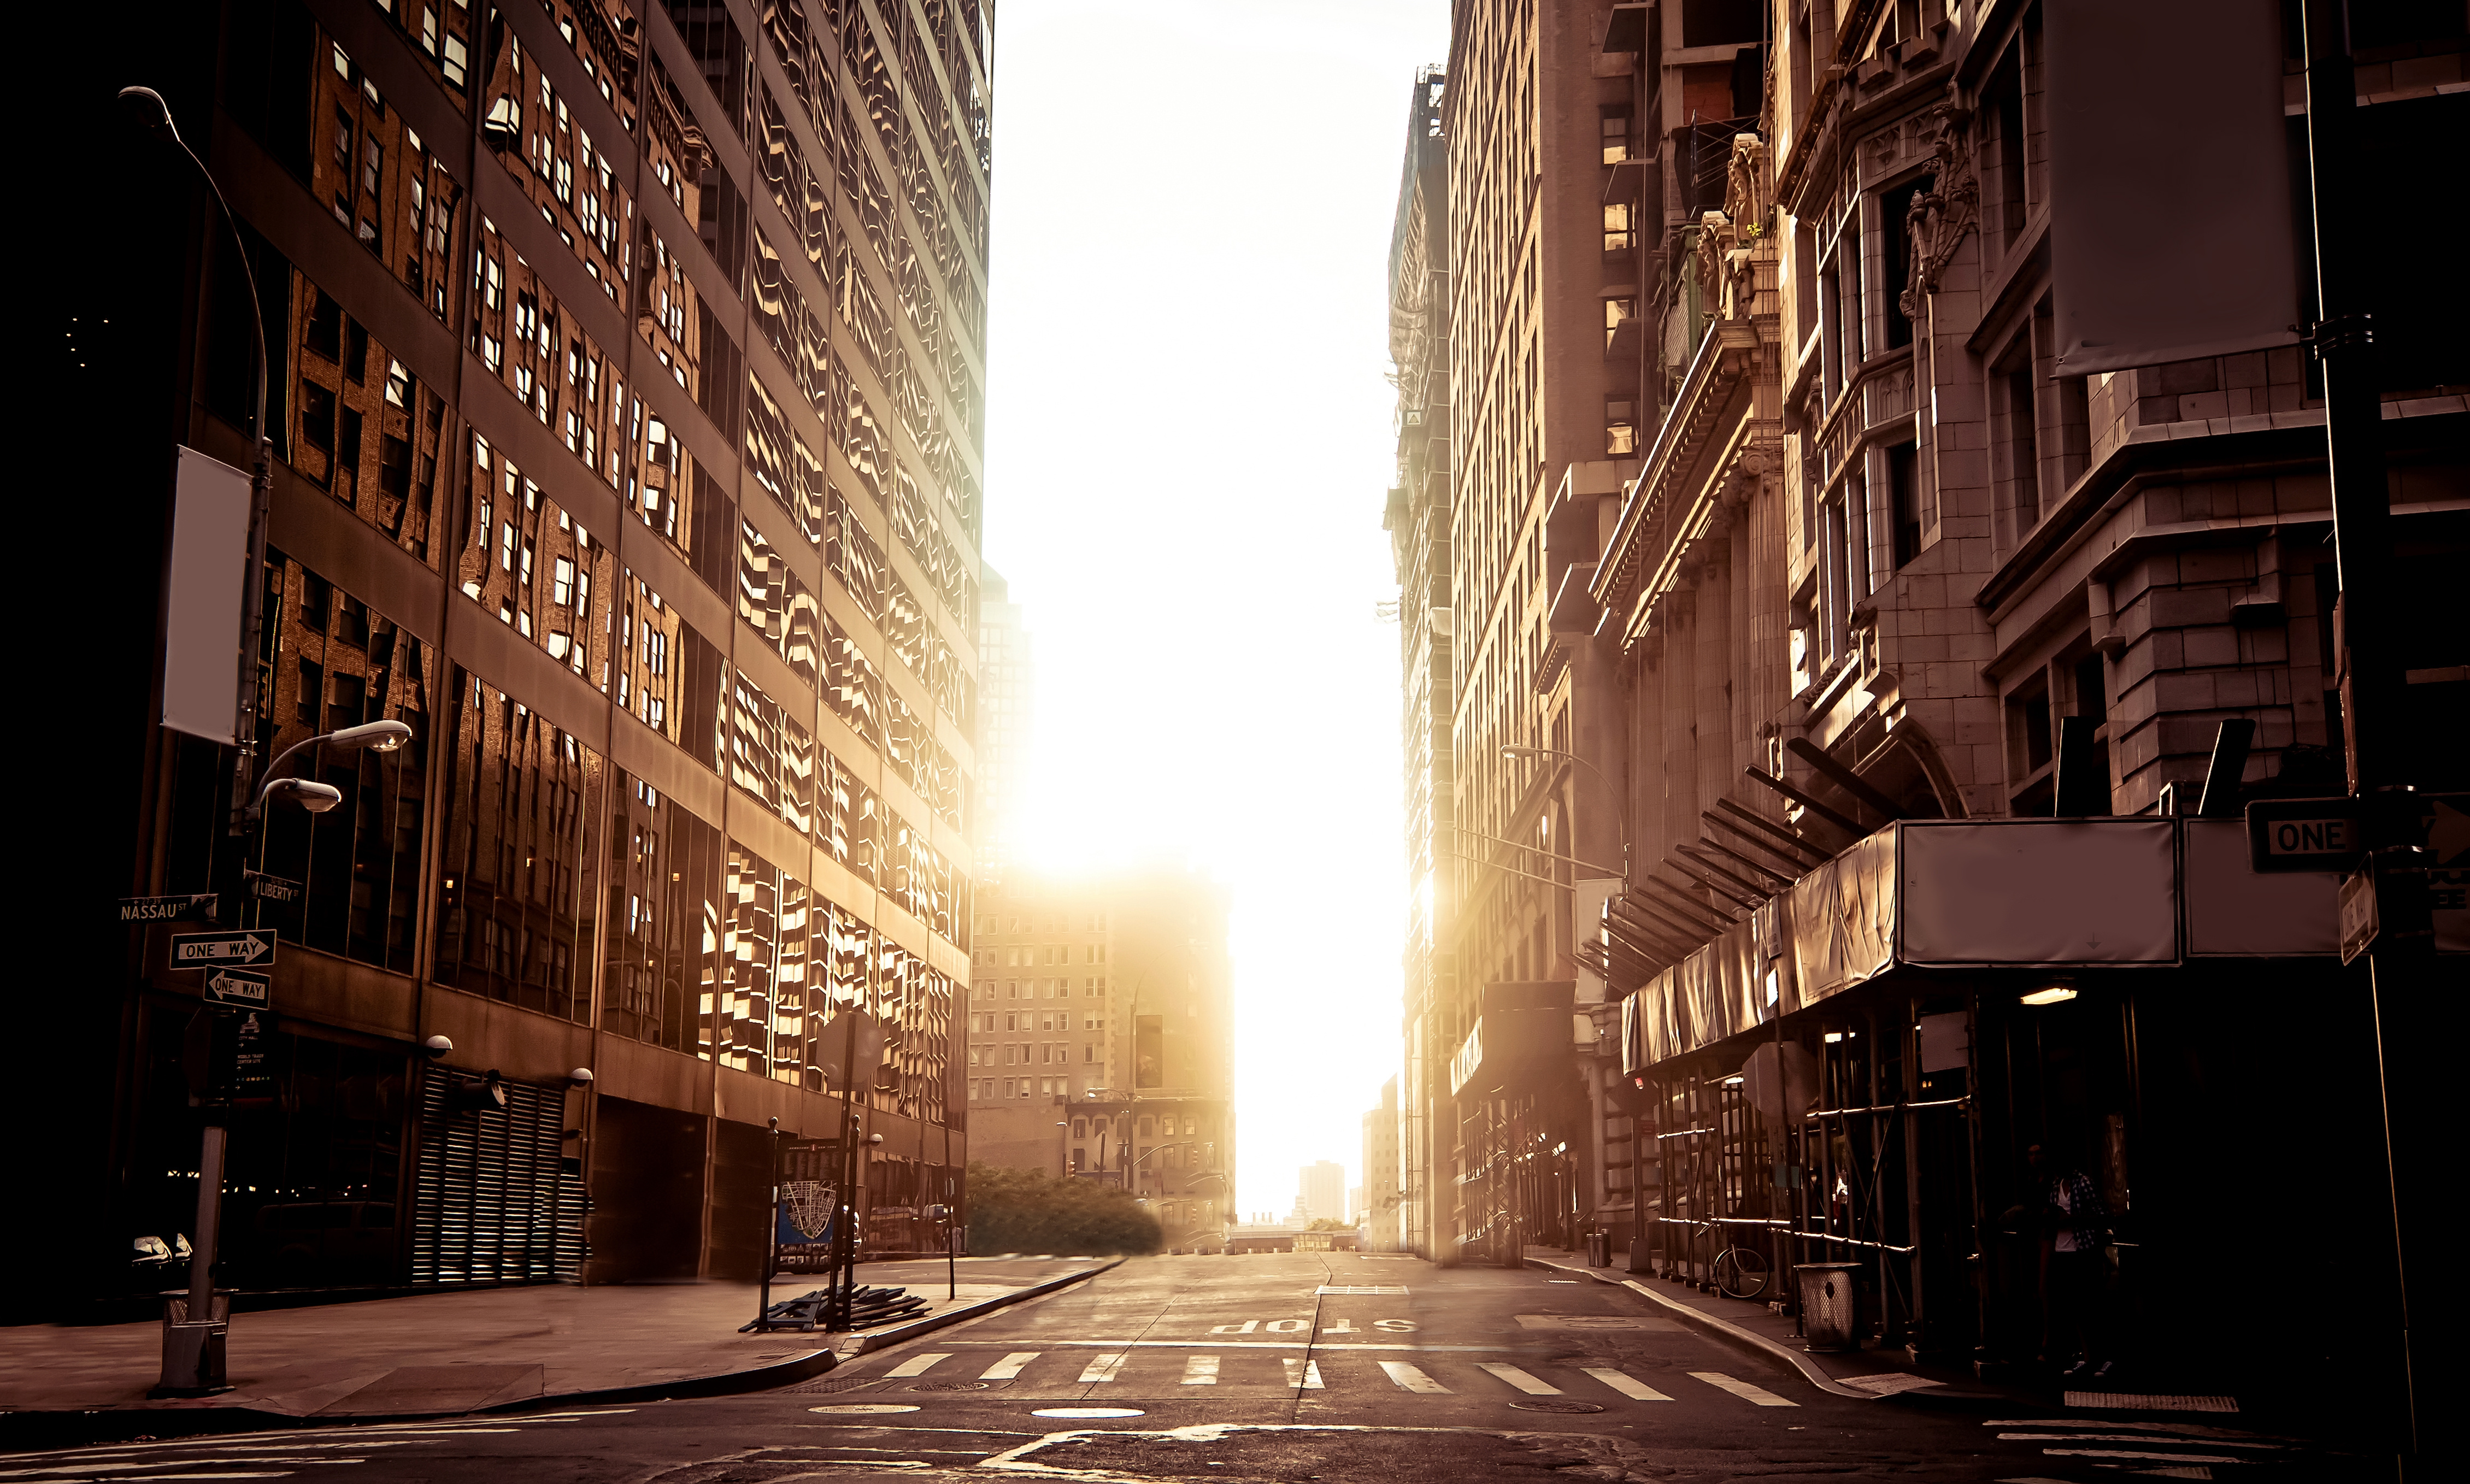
(1188, 438)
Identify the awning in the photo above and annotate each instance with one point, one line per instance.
(1990, 895)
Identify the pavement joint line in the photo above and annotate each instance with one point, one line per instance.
(1808, 1368)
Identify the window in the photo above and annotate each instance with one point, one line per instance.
(1617, 312)
(1904, 484)
(1614, 126)
(1895, 211)
(1621, 223)
(1620, 427)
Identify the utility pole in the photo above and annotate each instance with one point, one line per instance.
(2369, 664)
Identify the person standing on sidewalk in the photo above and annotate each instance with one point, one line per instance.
(2075, 1230)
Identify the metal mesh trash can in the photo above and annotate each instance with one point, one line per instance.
(1829, 1312)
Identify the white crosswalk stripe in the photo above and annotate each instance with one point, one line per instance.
(918, 1365)
(1410, 1378)
(1529, 1385)
(1627, 1385)
(1741, 1388)
(1102, 1368)
(1200, 1371)
(1303, 1374)
(1008, 1366)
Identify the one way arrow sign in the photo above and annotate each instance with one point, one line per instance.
(222, 950)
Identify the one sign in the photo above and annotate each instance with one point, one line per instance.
(233, 986)
(2326, 834)
(253, 949)
(2358, 914)
(2304, 834)
(271, 889)
(190, 906)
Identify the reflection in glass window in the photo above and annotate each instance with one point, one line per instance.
(358, 862)
(519, 889)
(663, 917)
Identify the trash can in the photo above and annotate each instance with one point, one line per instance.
(1829, 1314)
(1599, 1249)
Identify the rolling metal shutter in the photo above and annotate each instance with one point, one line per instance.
(491, 1199)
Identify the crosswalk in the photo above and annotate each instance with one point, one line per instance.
(1048, 1372)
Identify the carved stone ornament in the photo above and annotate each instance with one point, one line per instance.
(1942, 214)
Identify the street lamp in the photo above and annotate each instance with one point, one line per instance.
(1620, 822)
(193, 1351)
(378, 737)
(156, 116)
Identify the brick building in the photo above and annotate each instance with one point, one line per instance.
(1099, 1029)
(626, 391)
(1866, 683)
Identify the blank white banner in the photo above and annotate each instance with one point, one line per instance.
(2039, 891)
(2171, 232)
(209, 573)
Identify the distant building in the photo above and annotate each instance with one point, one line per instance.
(1099, 1030)
(1321, 1191)
(1378, 1200)
(1005, 675)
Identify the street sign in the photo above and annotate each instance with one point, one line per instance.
(188, 907)
(2328, 834)
(2304, 834)
(253, 949)
(271, 889)
(233, 986)
(2358, 914)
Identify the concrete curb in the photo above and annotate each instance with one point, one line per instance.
(30, 1430)
(1725, 1330)
(884, 1340)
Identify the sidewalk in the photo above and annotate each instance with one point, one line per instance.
(443, 1354)
(1866, 1375)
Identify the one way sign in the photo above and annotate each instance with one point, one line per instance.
(221, 950)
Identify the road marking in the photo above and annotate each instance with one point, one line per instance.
(1103, 1368)
(1410, 1378)
(1886, 1384)
(1200, 1371)
(1008, 1366)
(1302, 1375)
(1360, 1291)
(918, 1365)
(1519, 1379)
(1741, 1388)
(1627, 1385)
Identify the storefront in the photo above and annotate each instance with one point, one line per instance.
(1862, 1071)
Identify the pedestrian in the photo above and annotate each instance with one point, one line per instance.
(2067, 1207)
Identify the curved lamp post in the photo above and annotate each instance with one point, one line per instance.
(156, 116)
(1620, 822)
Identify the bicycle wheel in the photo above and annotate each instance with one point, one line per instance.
(1741, 1272)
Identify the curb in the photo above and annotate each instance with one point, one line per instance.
(883, 1340)
(1727, 1331)
(34, 1430)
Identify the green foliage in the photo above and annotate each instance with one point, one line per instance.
(1330, 1224)
(1026, 1211)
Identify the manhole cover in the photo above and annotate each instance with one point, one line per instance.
(862, 1410)
(953, 1387)
(1088, 1411)
(1554, 1406)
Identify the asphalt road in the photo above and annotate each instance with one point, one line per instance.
(1288, 1368)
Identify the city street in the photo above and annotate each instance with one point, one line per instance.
(1287, 1367)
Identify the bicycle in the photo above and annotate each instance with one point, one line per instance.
(1741, 1272)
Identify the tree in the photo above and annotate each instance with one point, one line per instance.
(1028, 1211)
(1330, 1224)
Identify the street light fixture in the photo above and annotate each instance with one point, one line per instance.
(156, 116)
(378, 737)
(1619, 821)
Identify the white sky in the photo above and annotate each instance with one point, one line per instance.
(1188, 440)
